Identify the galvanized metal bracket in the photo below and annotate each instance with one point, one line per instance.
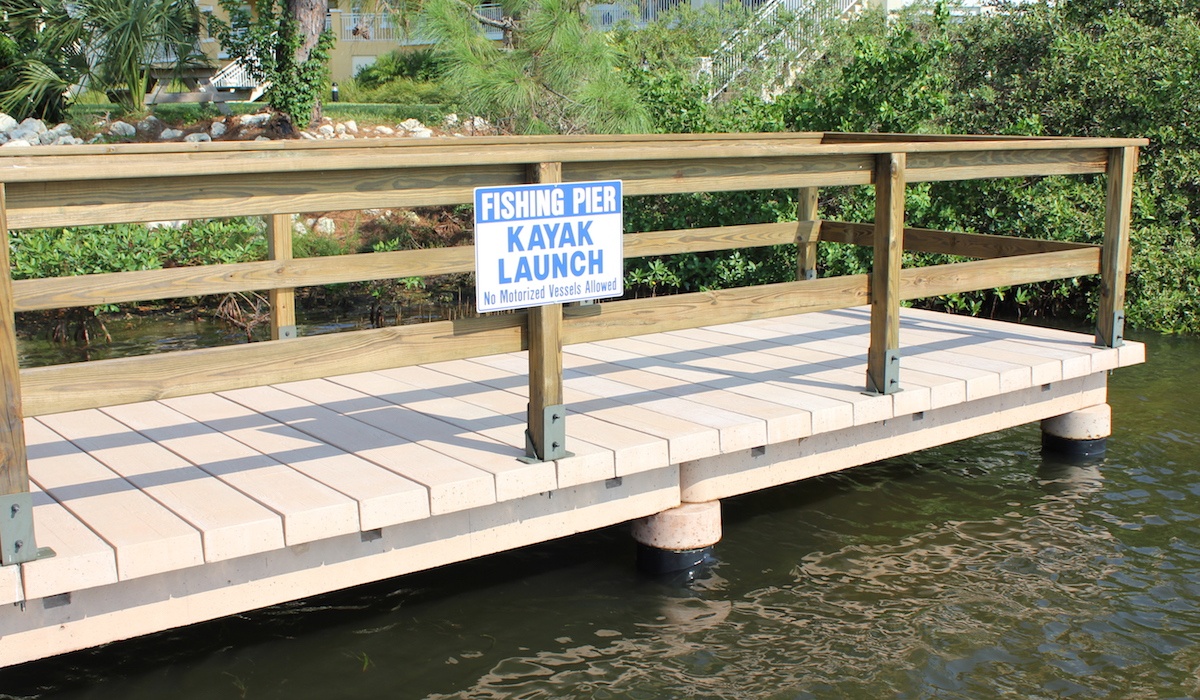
(17, 545)
(553, 438)
(891, 375)
(1118, 332)
(287, 332)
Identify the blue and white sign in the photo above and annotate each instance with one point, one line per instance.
(548, 244)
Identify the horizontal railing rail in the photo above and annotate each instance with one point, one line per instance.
(70, 186)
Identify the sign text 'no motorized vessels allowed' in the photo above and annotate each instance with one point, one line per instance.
(547, 244)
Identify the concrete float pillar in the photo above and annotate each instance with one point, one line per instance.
(1078, 434)
(677, 539)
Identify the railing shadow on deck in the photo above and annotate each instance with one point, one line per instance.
(71, 186)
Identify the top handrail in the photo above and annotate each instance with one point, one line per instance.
(81, 162)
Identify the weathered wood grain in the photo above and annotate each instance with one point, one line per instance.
(890, 182)
(808, 231)
(992, 163)
(920, 282)
(967, 245)
(1115, 259)
(545, 351)
(283, 300)
(693, 174)
(145, 285)
(14, 470)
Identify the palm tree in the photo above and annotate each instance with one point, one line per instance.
(41, 57)
(109, 45)
(128, 37)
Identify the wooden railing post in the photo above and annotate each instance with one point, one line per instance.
(1114, 259)
(283, 301)
(546, 434)
(883, 359)
(808, 230)
(16, 503)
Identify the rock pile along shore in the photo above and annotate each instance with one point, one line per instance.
(262, 126)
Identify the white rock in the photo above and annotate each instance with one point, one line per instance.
(217, 129)
(351, 126)
(3, 138)
(150, 123)
(325, 226)
(47, 138)
(122, 129)
(175, 224)
(35, 125)
(63, 129)
(23, 134)
(17, 143)
(478, 124)
(198, 137)
(339, 129)
(260, 137)
(310, 222)
(410, 124)
(307, 136)
(255, 119)
(7, 123)
(451, 120)
(346, 137)
(385, 131)
(421, 133)
(299, 228)
(325, 130)
(169, 134)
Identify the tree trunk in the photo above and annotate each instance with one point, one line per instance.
(310, 16)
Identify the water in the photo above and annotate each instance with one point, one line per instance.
(979, 569)
(165, 331)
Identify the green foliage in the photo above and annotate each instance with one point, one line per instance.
(554, 73)
(315, 245)
(108, 45)
(423, 65)
(703, 271)
(1079, 68)
(403, 91)
(1099, 68)
(426, 113)
(89, 250)
(267, 40)
(41, 56)
(881, 76)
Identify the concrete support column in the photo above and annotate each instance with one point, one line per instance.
(677, 539)
(1080, 434)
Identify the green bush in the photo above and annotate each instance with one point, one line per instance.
(89, 250)
(421, 65)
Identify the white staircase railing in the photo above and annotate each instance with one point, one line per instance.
(757, 42)
(233, 75)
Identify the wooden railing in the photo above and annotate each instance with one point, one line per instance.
(68, 186)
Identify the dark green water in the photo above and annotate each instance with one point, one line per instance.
(976, 570)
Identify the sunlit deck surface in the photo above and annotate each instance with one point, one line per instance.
(349, 479)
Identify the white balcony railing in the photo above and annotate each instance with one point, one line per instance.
(381, 26)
